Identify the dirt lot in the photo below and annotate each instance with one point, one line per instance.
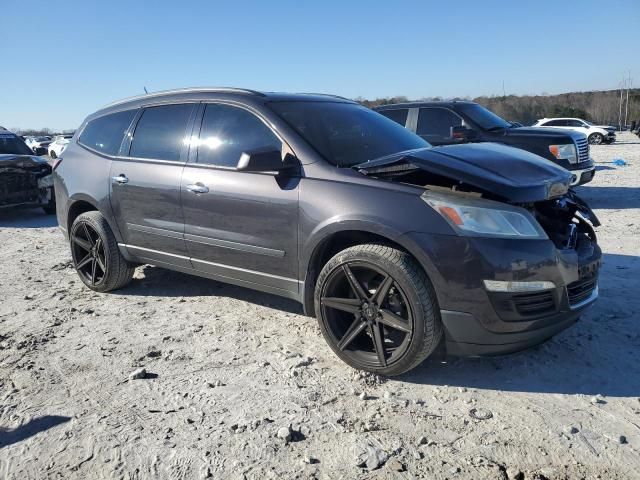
(230, 371)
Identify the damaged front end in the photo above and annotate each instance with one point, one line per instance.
(25, 181)
(524, 241)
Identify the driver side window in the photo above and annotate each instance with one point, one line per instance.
(229, 131)
(434, 124)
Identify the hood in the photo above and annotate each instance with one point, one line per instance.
(506, 172)
(553, 134)
(33, 163)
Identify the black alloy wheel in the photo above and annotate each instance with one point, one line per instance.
(87, 249)
(376, 309)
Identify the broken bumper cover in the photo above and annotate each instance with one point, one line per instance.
(582, 176)
(480, 322)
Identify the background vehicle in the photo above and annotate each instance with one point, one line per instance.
(25, 178)
(446, 123)
(37, 142)
(322, 200)
(596, 134)
(57, 146)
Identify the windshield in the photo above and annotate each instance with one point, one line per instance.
(485, 119)
(10, 144)
(347, 134)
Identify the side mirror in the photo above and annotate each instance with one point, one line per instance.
(463, 134)
(267, 159)
(40, 151)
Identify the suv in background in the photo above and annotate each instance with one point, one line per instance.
(447, 123)
(397, 248)
(596, 134)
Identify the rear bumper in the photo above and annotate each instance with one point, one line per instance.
(466, 337)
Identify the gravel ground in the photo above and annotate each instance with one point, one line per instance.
(240, 384)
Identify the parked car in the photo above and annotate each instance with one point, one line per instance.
(38, 142)
(396, 247)
(25, 178)
(596, 134)
(57, 146)
(447, 123)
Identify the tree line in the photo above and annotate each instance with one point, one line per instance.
(600, 107)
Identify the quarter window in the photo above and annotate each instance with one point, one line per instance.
(434, 124)
(229, 131)
(105, 134)
(161, 131)
(398, 116)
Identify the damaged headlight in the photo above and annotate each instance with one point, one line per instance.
(45, 182)
(476, 217)
(564, 152)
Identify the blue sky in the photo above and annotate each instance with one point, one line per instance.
(63, 60)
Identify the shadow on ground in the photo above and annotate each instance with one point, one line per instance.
(610, 197)
(159, 282)
(29, 429)
(26, 218)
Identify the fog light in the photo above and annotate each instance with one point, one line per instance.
(500, 286)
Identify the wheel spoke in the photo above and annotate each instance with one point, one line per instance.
(378, 343)
(383, 290)
(84, 261)
(354, 330)
(86, 232)
(355, 284)
(81, 243)
(93, 272)
(101, 263)
(351, 305)
(394, 321)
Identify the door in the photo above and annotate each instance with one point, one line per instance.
(239, 225)
(145, 186)
(435, 125)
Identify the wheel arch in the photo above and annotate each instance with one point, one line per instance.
(336, 239)
(81, 203)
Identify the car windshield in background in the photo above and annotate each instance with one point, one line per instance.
(10, 144)
(347, 134)
(485, 119)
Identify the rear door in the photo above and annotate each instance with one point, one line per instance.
(435, 125)
(239, 225)
(145, 184)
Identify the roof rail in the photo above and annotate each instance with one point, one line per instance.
(326, 95)
(185, 90)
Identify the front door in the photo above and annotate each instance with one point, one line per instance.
(145, 185)
(239, 225)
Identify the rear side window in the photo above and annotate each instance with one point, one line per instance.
(160, 132)
(434, 124)
(398, 116)
(555, 123)
(228, 131)
(105, 134)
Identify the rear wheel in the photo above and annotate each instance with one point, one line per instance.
(95, 253)
(377, 309)
(596, 138)
(52, 154)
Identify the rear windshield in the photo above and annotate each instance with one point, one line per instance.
(10, 144)
(347, 134)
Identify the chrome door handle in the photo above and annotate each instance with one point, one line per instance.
(197, 188)
(121, 179)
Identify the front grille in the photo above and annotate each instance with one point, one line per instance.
(583, 150)
(534, 303)
(582, 289)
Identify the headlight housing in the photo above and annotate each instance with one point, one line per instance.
(477, 217)
(564, 152)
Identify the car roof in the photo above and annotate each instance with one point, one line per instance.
(438, 103)
(186, 94)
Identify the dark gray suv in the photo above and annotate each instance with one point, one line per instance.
(396, 247)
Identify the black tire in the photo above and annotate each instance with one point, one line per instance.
(409, 297)
(596, 139)
(95, 253)
(53, 155)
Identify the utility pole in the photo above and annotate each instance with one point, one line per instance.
(626, 108)
(620, 111)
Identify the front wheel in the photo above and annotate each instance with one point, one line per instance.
(596, 138)
(95, 253)
(53, 155)
(377, 309)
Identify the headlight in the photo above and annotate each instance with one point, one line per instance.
(476, 217)
(564, 152)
